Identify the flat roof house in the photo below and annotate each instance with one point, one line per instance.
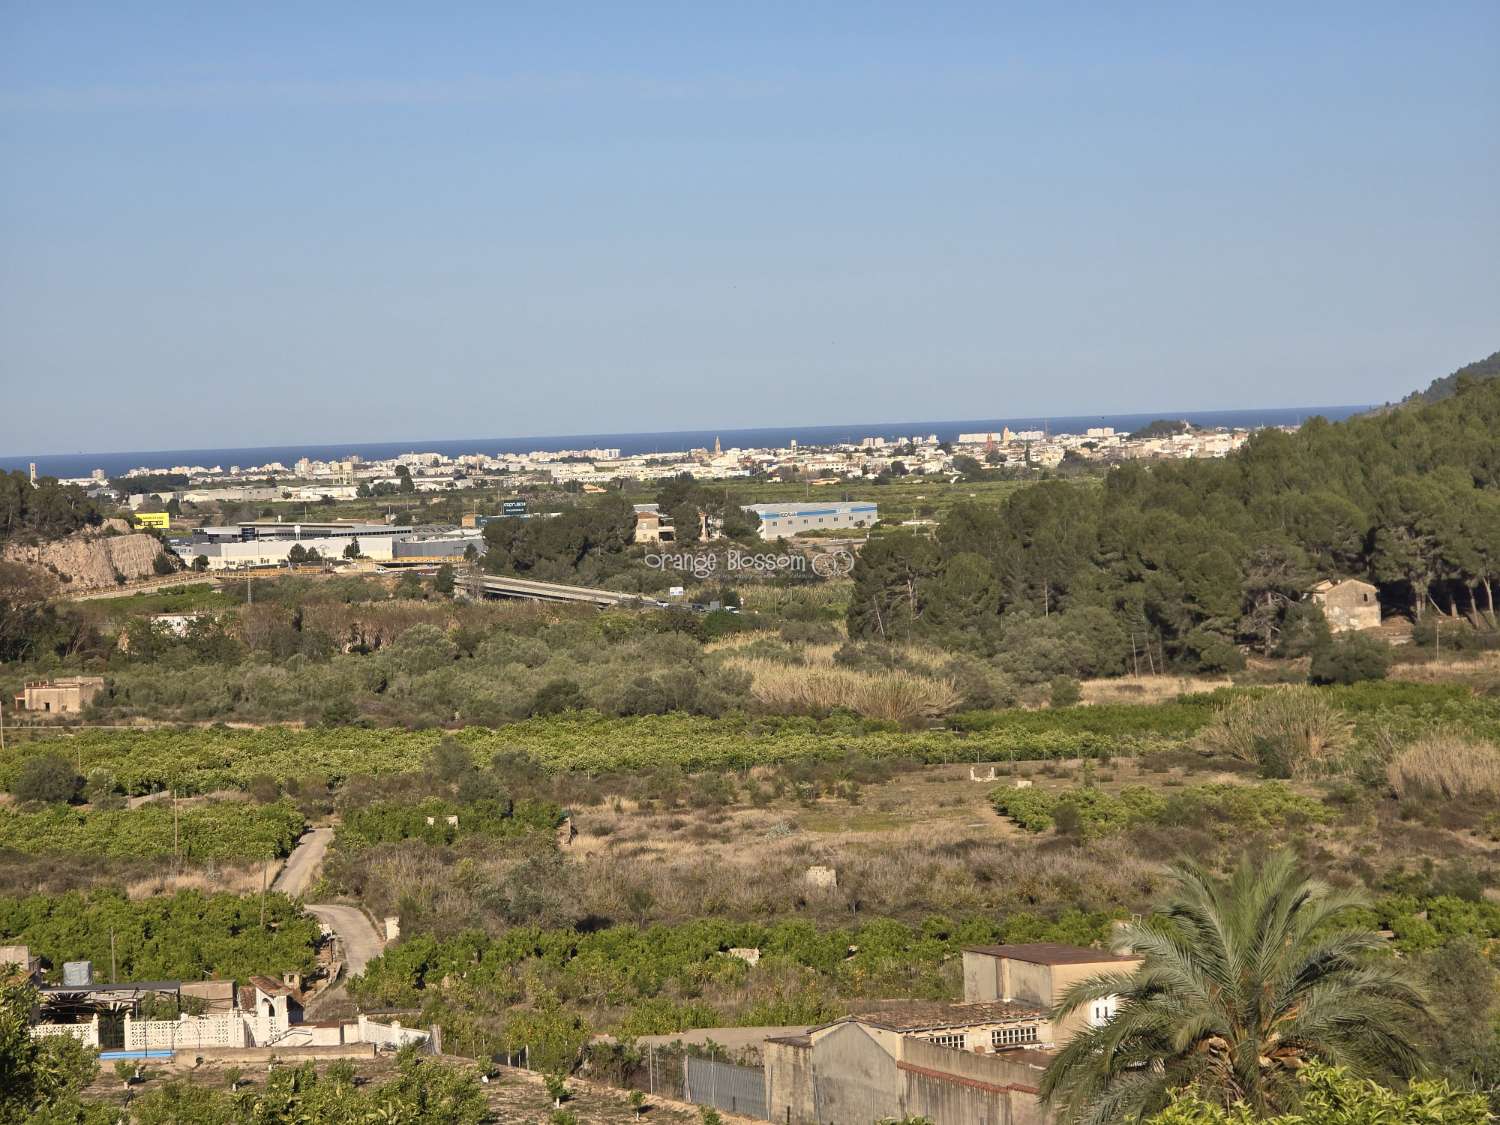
(1040, 973)
(66, 695)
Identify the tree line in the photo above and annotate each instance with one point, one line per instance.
(45, 510)
(1177, 563)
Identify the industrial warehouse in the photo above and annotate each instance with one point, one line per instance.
(271, 543)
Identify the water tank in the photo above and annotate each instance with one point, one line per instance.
(78, 974)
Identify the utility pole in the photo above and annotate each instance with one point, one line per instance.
(112, 976)
(176, 838)
(263, 868)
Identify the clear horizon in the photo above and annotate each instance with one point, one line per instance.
(252, 227)
(875, 429)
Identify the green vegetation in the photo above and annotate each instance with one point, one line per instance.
(186, 936)
(1242, 983)
(1331, 1095)
(661, 979)
(1174, 564)
(46, 510)
(385, 822)
(203, 760)
(423, 1090)
(1449, 385)
(36, 1074)
(219, 830)
(1094, 812)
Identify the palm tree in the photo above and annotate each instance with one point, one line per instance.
(1241, 982)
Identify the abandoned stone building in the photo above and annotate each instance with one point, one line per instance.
(1347, 603)
(66, 695)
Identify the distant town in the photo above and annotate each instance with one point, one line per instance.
(347, 479)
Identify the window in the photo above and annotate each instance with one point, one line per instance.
(1003, 1037)
(956, 1041)
(1102, 1011)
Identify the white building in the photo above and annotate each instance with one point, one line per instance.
(778, 520)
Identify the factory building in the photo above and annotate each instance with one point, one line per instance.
(269, 543)
(779, 520)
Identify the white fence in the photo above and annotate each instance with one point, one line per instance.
(227, 1030)
(85, 1033)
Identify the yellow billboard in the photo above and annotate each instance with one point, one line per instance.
(159, 520)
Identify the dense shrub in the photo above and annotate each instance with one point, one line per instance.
(1286, 732)
(48, 778)
(1090, 811)
(805, 974)
(1335, 1096)
(1350, 660)
(1064, 692)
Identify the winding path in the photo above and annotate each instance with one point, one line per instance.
(356, 933)
(303, 865)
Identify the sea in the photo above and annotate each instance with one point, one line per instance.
(118, 463)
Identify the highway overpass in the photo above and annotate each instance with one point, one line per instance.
(503, 586)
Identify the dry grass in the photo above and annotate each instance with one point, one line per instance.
(1147, 689)
(816, 689)
(235, 880)
(1446, 765)
(736, 641)
(1288, 732)
(1481, 671)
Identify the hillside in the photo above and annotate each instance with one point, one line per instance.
(1439, 389)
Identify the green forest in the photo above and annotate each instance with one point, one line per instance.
(1177, 564)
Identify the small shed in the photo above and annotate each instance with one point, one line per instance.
(1347, 603)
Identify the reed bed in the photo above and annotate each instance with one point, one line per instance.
(1447, 765)
(818, 688)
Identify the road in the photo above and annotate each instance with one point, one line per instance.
(355, 932)
(361, 943)
(505, 586)
(143, 587)
(302, 866)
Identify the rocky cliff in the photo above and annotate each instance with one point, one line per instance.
(89, 560)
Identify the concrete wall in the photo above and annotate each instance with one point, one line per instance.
(1349, 606)
(283, 1054)
(63, 698)
(1031, 984)
(981, 977)
(789, 1082)
(1064, 977)
(962, 1088)
(233, 553)
(854, 1075)
(388, 1035)
(855, 1080)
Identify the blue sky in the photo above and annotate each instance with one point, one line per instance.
(235, 224)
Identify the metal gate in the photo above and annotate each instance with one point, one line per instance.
(738, 1089)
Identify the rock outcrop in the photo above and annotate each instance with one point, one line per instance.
(90, 561)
